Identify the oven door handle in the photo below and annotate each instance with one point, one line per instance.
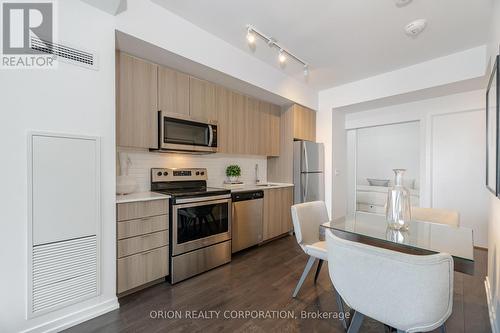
(190, 202)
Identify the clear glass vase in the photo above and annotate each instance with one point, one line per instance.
(398, 210)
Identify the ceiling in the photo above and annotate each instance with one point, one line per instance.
(343, 40)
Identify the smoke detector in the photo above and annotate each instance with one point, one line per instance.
(413, 29)
(402, 3)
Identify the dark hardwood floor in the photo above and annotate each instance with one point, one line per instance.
(263, 278)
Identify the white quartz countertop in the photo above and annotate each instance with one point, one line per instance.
(253, 187)
(140, 196)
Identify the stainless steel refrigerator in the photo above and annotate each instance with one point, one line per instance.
(308, 171)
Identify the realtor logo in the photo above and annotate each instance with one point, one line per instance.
(23, 25)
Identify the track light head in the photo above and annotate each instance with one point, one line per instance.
(250, 36)
(306, 70)
(282, 56)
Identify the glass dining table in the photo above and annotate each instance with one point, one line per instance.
(421, 238)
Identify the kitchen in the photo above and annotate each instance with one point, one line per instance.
(171, 136)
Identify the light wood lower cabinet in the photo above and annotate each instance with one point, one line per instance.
(141, 268)
(140, 209)
(277, 215)
(142, 243)
(129, 246)
(146, 225)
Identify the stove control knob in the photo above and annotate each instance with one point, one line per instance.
(165, 173)
(202, 173)
(197, 173)
(159, 173)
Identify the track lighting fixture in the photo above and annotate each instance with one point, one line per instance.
(283, 54)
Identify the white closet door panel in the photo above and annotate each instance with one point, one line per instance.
(65, 187)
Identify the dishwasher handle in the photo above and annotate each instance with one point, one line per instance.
(248, 195)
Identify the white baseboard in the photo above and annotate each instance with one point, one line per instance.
(75, 318)
(491, 310)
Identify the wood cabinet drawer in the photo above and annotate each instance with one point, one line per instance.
(142, 243)
(146, 225)
(139, 209)
(142, 268)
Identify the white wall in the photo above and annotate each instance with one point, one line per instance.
(381, 149)
(458, 166)
(143, 161)
(69, 99)
(493, 281)
(426, 112)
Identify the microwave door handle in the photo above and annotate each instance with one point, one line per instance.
(210, 135)
(161, 130)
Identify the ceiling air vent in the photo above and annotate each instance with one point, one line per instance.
(65, 53)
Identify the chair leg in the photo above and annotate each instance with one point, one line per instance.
(442, 329)
(320, 263)
(340, 305)
(356, 322)
(308, 267)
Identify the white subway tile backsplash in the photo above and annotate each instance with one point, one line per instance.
(143, 161)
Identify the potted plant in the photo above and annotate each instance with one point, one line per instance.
(233, 172)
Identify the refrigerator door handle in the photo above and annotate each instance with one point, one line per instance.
(305, 184)
(305, 157)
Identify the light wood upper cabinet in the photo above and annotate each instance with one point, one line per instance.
(231, 115)
(304, 123)
(223, 107)
(202, 100)
(274, 130)
(247, 125)
(136, 98)
(253, 128)
(237, 126)
(277, 215)
(173, 91)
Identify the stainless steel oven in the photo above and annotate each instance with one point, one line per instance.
(185, 135)
(200, 222)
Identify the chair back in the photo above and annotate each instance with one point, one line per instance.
(413, 293)
(307, 218)
(435, 215)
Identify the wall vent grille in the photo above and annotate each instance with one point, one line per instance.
(65, 53)
(64, 273)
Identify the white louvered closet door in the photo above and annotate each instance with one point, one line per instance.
(64, 221)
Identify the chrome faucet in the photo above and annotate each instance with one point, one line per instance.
(257, 180)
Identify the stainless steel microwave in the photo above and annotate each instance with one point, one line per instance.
(182, 135)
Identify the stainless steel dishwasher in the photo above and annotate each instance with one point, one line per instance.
(247, 219)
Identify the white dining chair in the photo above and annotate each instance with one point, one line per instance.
(412, 293)
(307, 218)
(435, 215)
